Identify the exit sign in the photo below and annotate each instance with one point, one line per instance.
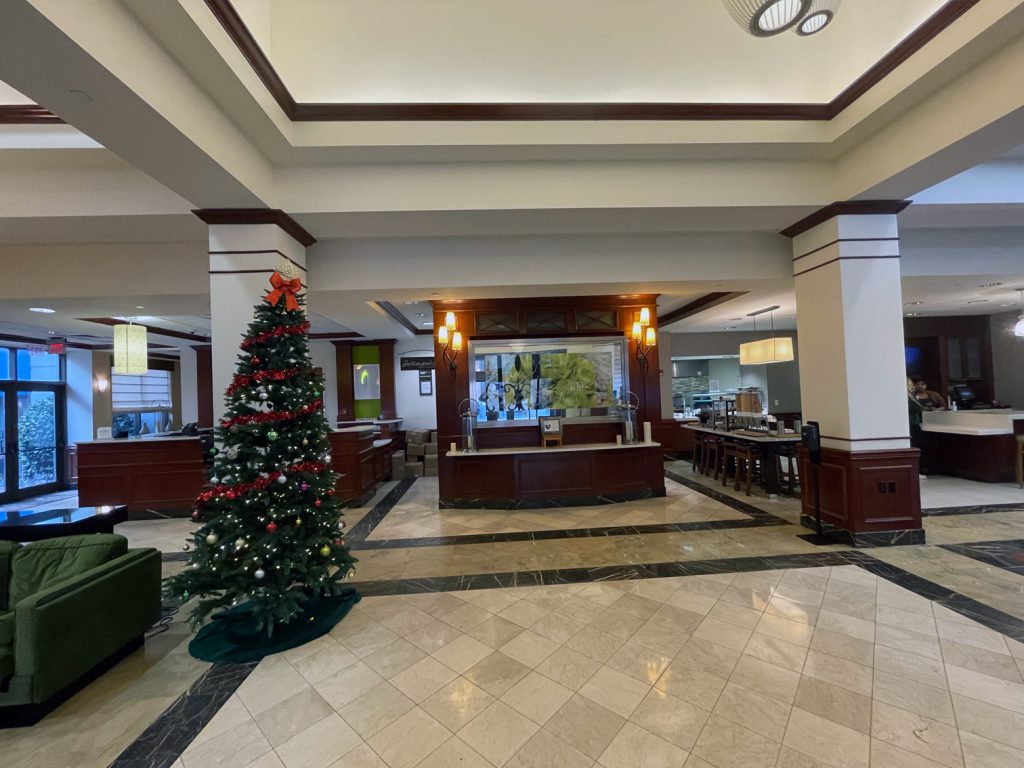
(57, 347)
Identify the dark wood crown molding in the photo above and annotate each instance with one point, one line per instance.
(848, 208)
(239, 33)
(256, 216)
(27, 114)
(332, 336)
(698, 305)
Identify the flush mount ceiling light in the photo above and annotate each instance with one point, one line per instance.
(1018, 329)
(766, 18)
(44, 310)
(819, 16)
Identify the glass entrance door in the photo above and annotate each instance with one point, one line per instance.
(32, 450)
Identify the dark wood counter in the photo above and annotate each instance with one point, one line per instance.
(362, 461)
(164, 473)
(574, 475)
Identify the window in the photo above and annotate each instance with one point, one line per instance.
(32, 365)
(524, 379)
(142, 404)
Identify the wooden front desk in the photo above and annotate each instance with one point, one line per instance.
(164, 473)
(537, 477)
(361, 460)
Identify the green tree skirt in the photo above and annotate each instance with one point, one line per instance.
(231, 636)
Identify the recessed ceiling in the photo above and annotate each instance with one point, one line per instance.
(396, 51)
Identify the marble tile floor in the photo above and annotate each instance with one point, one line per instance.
(418, 515)
(809, 668)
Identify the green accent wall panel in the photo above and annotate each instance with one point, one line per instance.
(365, 354)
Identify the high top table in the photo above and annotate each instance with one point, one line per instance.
(767, 444)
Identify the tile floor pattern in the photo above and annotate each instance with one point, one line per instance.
(790, 669)
(418, 515)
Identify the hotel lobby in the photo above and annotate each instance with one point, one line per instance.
(557, 383)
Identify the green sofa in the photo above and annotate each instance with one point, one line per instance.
(67, 606)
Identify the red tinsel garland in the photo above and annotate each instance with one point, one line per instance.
(245, 379)
(234, 491)
(284, 330)
(264, 418)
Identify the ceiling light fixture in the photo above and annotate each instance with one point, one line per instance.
(131, 349)
(44, 310)
(766, 18)
(819, 15)
(766, 351)
(914, 303)
(1018, 329)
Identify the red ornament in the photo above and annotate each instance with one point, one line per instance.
(256, 360)
(271, 527)
(339, 542)
(316, 503)
(195, 515)
(330, 491)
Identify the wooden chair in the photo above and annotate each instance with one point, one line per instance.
(1020, 460)
(744, 457)
(698, 450)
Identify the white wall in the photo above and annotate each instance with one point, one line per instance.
(80, 394)
(325, 356)
(417, 412)
(189, 386)
(1007, 360)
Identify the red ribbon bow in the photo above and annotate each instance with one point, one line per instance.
(286, 288)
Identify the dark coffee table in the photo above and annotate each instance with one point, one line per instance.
(29, 525)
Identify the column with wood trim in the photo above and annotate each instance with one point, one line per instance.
(242, 259)
(852, 374)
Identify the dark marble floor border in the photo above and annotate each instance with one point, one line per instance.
(551, 502)
(170, 734)
(1006, 554)
(358, 532)
(740, 506)
(975, 509)
(966, 606)
(835, 535)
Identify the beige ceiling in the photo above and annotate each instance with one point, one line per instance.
(564, 50)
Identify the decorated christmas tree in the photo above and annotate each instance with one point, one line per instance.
(270, 548)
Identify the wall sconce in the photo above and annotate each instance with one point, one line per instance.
(102, 383)
(450, 340)
(645, 337)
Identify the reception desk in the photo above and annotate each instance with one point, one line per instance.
(361, 459)
(161, 473)
(975, 445)
(526, 477)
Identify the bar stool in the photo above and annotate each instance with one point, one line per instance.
(744, 463)
(710, 455)
(791, 475)
(1020, 460)
(698, 450)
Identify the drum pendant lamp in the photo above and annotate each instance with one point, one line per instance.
(766, 18)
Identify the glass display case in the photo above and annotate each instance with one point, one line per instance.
(517, 381)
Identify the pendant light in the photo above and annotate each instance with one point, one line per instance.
(819, 16)
(766, 18)
(131, 349)
(774, 349)
(1018, 329)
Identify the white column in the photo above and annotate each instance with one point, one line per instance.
(242, 259)
(325, 357)
(850, 321)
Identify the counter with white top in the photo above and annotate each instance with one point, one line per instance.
(980, 423)
(975, 445)
(532, 477)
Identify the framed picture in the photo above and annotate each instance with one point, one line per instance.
(550, 426)
(426, 383)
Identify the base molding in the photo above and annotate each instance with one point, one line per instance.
(866, 538)
(865, 493)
